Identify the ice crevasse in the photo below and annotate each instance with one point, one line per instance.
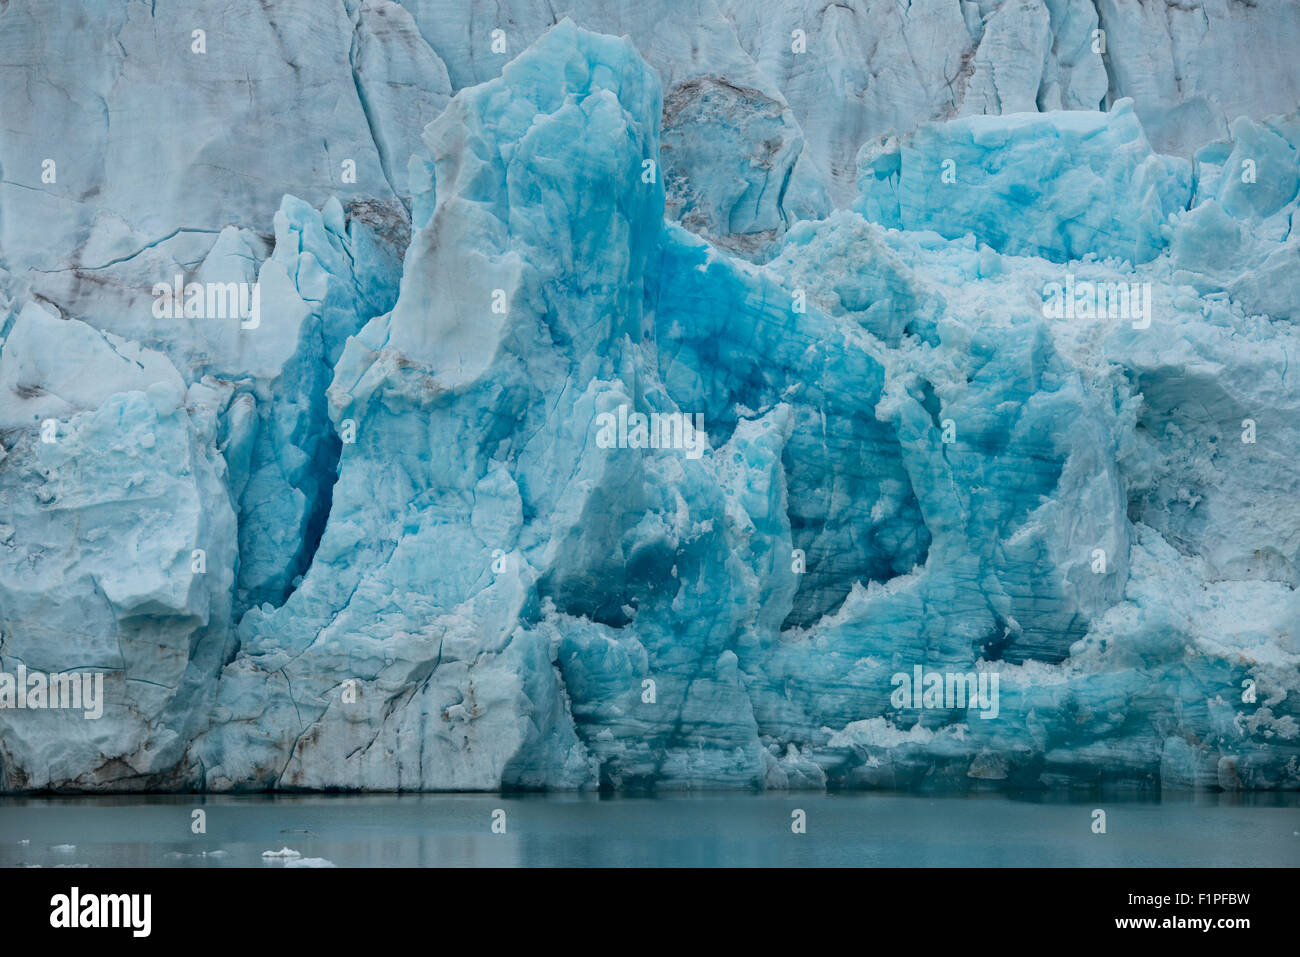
(435, 554)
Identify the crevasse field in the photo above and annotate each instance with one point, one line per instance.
(669, 395)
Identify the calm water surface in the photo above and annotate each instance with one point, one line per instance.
(455, 830)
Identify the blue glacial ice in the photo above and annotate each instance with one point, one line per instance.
(377, 537)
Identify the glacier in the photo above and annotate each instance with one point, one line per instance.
(374, 537)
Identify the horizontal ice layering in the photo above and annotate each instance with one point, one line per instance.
(502, 480)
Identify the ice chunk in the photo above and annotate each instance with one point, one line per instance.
(1057, 185)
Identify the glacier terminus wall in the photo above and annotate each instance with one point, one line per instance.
(676, 395)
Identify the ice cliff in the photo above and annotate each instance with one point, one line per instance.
(987, 333)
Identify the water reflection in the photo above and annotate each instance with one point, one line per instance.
(455, 830)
